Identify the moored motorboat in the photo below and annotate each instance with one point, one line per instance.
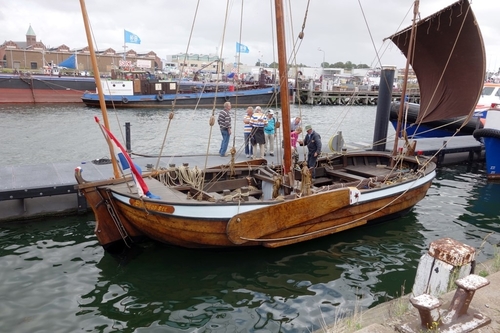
(146, 91)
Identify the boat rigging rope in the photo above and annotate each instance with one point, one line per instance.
(306, 181)
(170, 117)
(212, 117)
(191, 176)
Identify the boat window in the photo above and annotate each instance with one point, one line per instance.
(497, 93)
(487, 90)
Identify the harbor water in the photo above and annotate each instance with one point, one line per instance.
(56, 278)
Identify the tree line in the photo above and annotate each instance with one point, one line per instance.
(348, 65)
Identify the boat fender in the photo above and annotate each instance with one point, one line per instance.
(159, 97)
(124, 100)
(486, 133)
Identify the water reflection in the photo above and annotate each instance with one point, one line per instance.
(473, 208)
(279, 290)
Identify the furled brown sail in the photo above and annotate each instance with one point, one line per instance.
(449, 61)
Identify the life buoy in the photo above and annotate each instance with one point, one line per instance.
(159, 97)
(124, 100)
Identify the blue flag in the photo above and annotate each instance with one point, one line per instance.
(131, 38)
(240, 48)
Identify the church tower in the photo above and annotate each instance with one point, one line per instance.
(30, 37)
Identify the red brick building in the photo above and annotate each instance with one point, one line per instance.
(32, 55)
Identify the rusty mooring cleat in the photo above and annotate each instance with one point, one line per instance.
(458, 318)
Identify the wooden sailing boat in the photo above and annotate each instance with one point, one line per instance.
(259, 205)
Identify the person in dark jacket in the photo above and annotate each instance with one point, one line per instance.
(224, 121)
(313, 142)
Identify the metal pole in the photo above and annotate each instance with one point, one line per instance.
(323, 63)
(383, 108)
(127, 138)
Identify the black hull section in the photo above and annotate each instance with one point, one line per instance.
(448, 125)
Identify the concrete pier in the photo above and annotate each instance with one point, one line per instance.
(391, 316)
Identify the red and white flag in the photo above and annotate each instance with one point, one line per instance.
(126, 162)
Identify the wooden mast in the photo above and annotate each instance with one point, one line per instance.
(283, 82)
(405, 78)
(97, 78)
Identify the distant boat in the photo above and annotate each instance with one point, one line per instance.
(53, 87)
(490, 95)
(144, 90)
(256, 204)
(433, 129)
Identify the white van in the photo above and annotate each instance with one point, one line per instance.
(170, 68)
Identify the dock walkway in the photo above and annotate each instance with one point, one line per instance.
(346, 97)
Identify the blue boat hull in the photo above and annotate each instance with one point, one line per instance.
(492, 149)
(491, 139)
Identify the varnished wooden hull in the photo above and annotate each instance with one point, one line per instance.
(196, 232)
(270, 223)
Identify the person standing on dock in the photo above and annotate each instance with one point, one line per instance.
(258, 121)
(247, 131)
(297, 122)
(224, 121)
(313, 143)
(269, 132)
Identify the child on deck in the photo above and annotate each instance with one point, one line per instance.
(294, 137)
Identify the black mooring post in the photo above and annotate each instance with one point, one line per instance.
(127, 138)
(383, 108)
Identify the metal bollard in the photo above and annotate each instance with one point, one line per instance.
(425, 304)
(467, 286)
(446, 260)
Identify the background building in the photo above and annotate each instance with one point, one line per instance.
(191, 64)
(32, 55)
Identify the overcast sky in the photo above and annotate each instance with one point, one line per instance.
(337, 27)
